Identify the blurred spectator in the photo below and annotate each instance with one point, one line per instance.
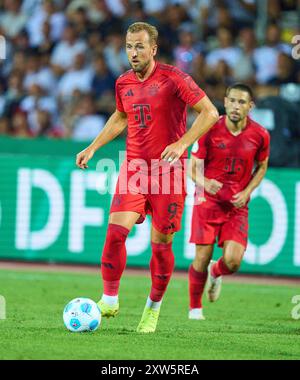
(222, 74)
(88, 123)
(102, 81)
(244, 70)
(95, 44)
(243, 12)
(187, 51)
(117, 7)
(19, 62)
(14, 94)
(79, 18)
(4, 126)
(276, 8)
(137, 14)
(266, 56)
(65, 51)
(227, 51)
(78, 78)
(12, 20)
(2, 98)
(36, 73)
(36, 100)
(174, 18)
(29, 6)
(155, 7)
(115, 54)
(213, 15)
(45, 125)
(21, 41)
(102, 17)
(199, 70)
(47, 44)
(286, 70)
(19, 125)
(47, 11)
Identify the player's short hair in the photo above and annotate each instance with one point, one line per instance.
(150, 29)
(241, 87)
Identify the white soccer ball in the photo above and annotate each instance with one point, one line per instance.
(82, 314)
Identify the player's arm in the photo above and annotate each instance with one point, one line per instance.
(240, 199)
(207, 117)
(196, 173)
(113, 127)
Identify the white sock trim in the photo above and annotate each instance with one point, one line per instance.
(110, 300)
(153, 305)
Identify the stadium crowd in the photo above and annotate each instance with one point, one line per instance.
(63, 56)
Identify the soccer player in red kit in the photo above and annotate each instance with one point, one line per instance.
(151, 99)
(229, 152)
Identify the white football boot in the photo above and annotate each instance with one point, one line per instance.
(196, 314)
(213, 286)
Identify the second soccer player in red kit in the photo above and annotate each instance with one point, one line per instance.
(229, 152)
(151, 99)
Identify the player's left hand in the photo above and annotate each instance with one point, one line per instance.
(240, 199)
(173, 152)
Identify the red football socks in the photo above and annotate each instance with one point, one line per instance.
(220, 269)
(113, 260)
(197, 282)
(161, 267)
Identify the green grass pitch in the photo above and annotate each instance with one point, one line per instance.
(248, 322)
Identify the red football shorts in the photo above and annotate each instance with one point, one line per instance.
(162, 196)
(212, 220)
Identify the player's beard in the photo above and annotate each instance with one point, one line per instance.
(235, 119)
(142, 66)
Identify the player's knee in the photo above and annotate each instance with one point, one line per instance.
(116, 233)
(115, 240)
(162, 255)
(233, 265)
(201, 263)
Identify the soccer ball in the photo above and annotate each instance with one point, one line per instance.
(82, 314)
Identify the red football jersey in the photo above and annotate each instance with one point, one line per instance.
(155, 108)
(230, 159)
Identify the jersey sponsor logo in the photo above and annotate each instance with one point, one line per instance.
(233, 165)
(143, 114)
(129, 93)
(222, 145)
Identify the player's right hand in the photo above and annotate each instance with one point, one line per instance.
(212, 186)
(83, 157)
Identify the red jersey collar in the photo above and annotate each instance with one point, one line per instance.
(242, 131)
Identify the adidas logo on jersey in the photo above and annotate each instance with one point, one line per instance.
(129, 93)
